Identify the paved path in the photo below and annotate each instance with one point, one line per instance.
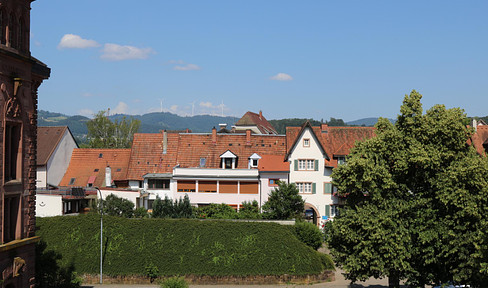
(340, 282)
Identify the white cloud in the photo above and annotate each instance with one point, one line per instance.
(176, 62)
(206, 104)
(173, 108)
(187, 67)
(87, 94)
(121, 108)
(281, 77)
(115, 52)
(70, 41)
(86, 112)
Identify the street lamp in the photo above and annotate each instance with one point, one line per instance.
(101, 234)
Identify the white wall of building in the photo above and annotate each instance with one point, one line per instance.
(319, 200)
(58, 162)
(41, 177)
(49, 205)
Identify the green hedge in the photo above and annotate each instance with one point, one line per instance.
(178, 247)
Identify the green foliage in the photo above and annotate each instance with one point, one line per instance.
(417, 196)
(249, 210)
(326, 260)
(151, 271)
(284, 203)
(309, 234)
(141, 212)
(177, 246)
(117, 206)
(280, 125)
(169, 209)
(216, 211)
(49, 273)
(174, 282)
(103, 133)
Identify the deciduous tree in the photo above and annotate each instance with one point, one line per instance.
(417, 200)
(103, 133)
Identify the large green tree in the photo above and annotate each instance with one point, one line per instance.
(417, 196)
(104, 133)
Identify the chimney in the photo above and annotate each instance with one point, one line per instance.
(108, 177)
(260, 115)
(324, 128)
(165, 142)
(248, 137)
(475, 125)
(214, 135)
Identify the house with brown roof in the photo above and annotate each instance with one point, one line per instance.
(312, 153)
(254, 122)
(88, 169)
(209, 167)
(54, 148)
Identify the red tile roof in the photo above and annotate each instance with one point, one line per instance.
(273, 163)
(335, 141)
(186, 150)
(147, 154)
(86, 166)
(479, 138)
(48, 139)
(253, 119)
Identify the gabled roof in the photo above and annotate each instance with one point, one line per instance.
(88, 165)
(253, 119)
(293, 135)
(48, 139)
(480, 138)
(335, 141)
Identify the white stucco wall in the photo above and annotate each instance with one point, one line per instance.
(264, 183)
(41, 177)
(59, 160)
(318, 200)
(49, 205)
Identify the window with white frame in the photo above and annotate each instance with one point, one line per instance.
(334, 210)
(306, 142)
(306, 164)
(341, 160)
(304, 187)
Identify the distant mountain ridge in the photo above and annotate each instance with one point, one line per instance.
(155, 122)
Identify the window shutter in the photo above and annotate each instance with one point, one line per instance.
(327, 188)
(327, 210)
(296, 165)
(313, 188)
(316, 164)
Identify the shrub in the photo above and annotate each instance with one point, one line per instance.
(177, 246)
(217, 211)
(141, 212)
(249, 210)
(284, 203)
(326, 261)
(309, 234)
(116, 206)
(152, 271)
(174, 282)
(168, 209)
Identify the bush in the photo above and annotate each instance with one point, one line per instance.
(168, 209)
(284, 203)
(326, 261)
(217, 211)
(309, 234)
(152, 271)
(141, 212)
(174, 282)
(116, 206)
(249, 210)
(177, 246)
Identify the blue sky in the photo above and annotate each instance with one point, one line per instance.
(306, 59)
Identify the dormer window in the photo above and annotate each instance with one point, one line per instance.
(306, 142)
(341, 160)
(254, 160)
(228, 160)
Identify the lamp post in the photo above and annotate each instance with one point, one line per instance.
(101, 234)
